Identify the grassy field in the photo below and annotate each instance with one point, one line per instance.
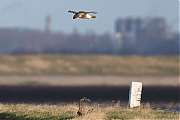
(89, 64)
(57, 112)
(148, 69)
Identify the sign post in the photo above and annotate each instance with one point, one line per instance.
(135, 94)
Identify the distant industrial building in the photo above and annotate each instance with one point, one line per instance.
(138, 35)
(48, 24)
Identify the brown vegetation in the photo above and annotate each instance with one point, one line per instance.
(56, 112)
(91, 64)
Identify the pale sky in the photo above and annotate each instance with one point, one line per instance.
(32, 13)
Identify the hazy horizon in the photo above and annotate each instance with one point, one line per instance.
(31, 14)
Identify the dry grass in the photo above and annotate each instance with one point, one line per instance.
(89, 64)
(57, 112)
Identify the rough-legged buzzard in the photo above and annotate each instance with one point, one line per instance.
(82, 14)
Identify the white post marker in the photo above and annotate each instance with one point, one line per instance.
(135, 94)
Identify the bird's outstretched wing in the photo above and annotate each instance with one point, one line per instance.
(88, 12)
(71, 11)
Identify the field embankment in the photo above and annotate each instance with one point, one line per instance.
(89, 65)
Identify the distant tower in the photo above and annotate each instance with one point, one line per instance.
(48, 24)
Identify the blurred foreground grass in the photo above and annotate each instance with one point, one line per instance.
(89, 64)
(57, 112)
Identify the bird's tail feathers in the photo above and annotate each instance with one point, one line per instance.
(93, 16)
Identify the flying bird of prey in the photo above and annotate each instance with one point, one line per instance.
(82, 14)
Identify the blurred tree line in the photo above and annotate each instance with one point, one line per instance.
(29, 41)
